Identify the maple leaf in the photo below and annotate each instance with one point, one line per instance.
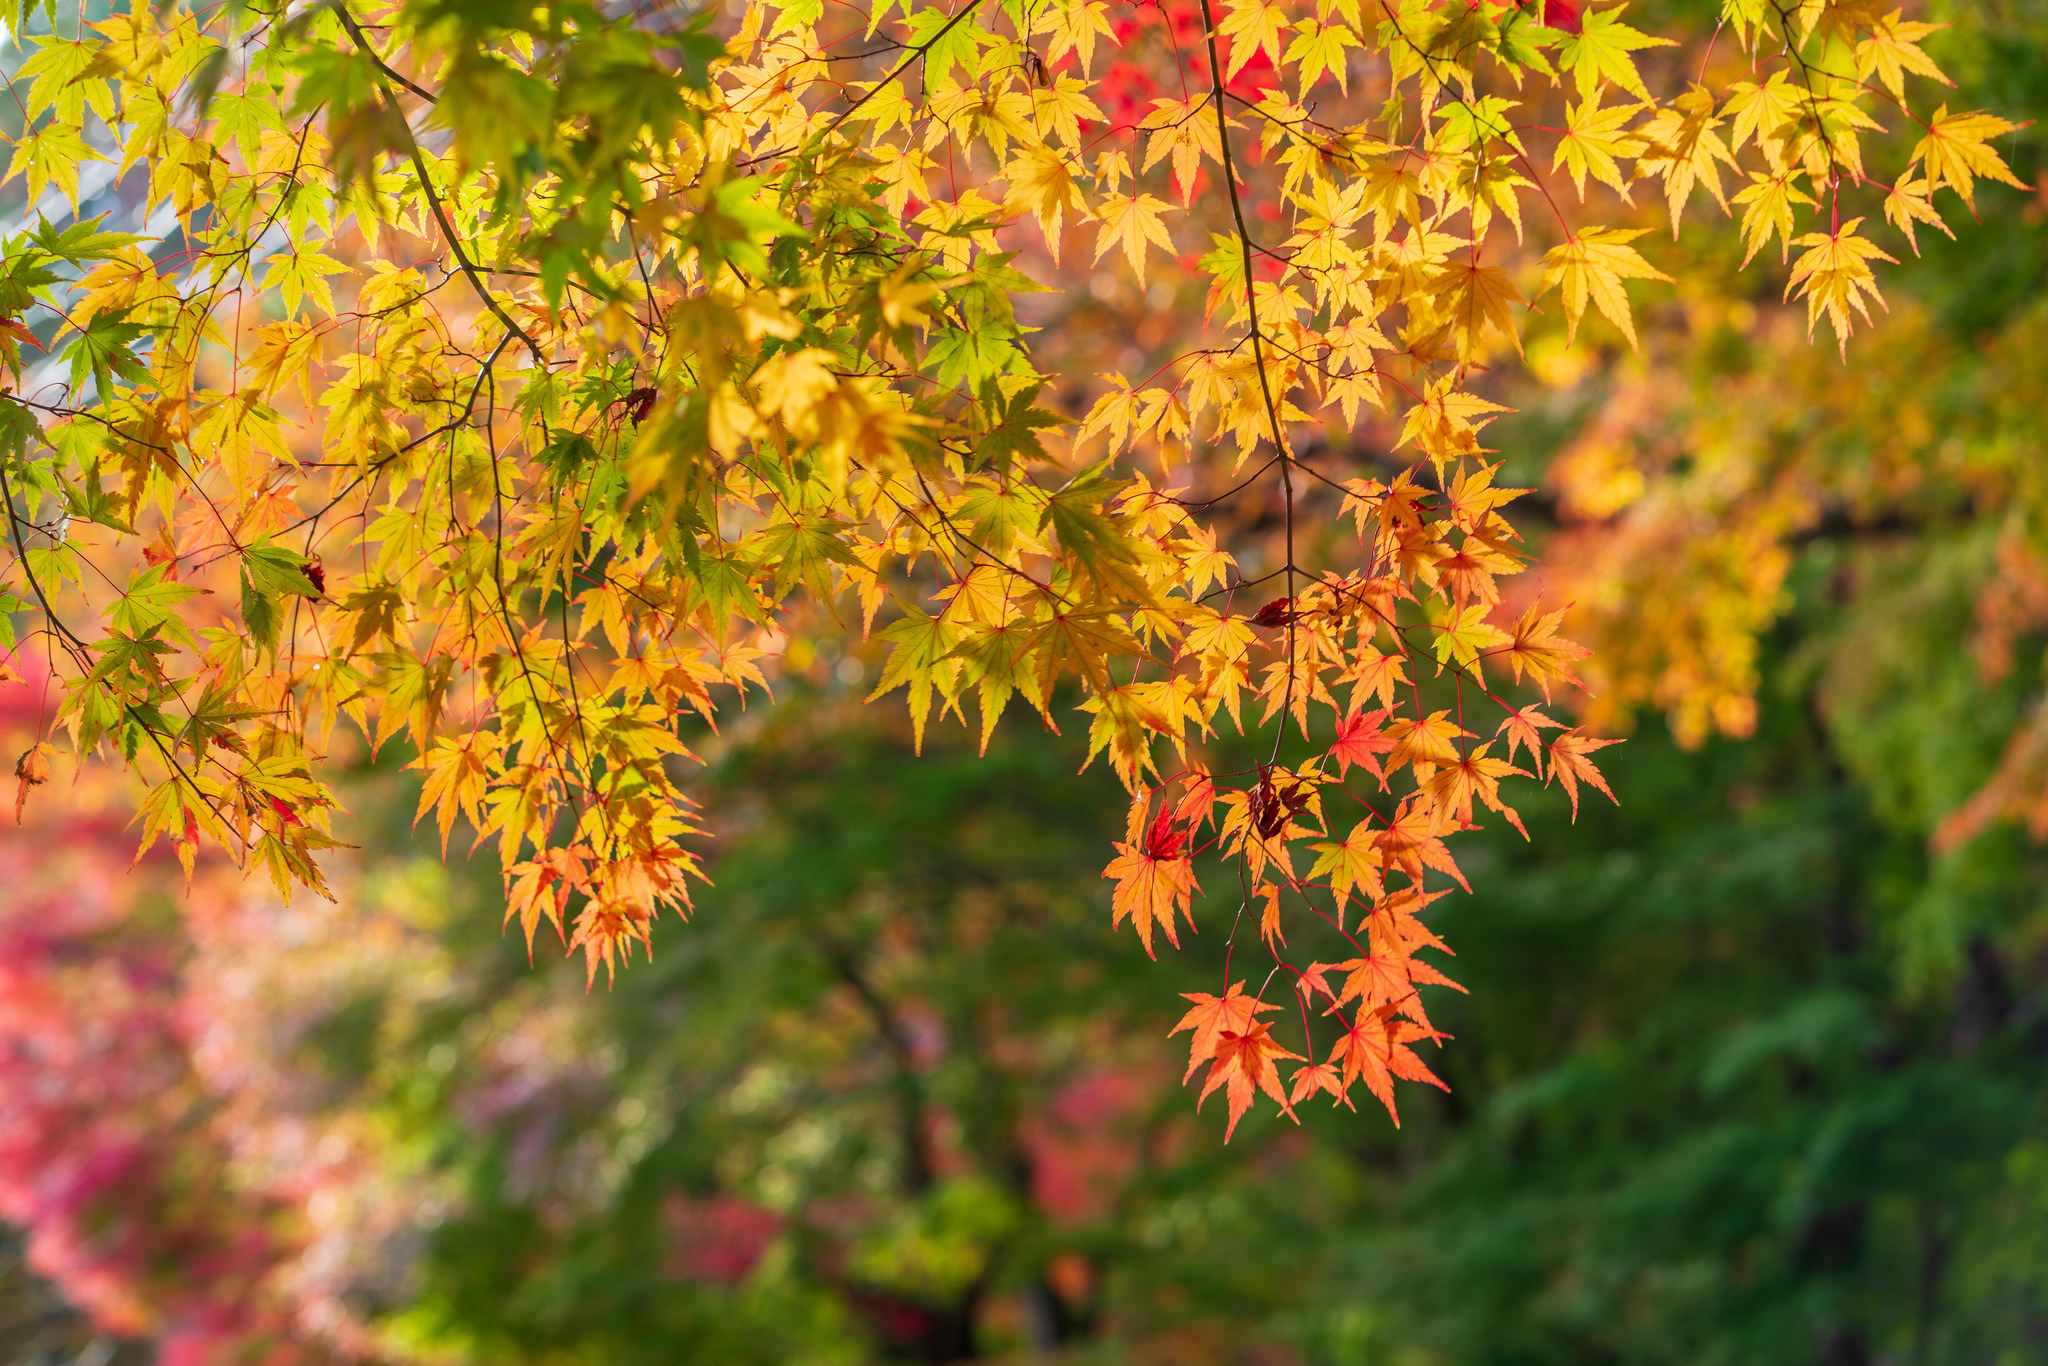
(1374, 980)
(1770, 112)
(1362, 499)
(1126, 721)
(1956, 152)
(1116, 412)
(1835, 276)
(1424, 743)
(1186, 131)
(1254, 26)
(1910, 201)
(1767, 211)
(1353, 862)
(1456, 785)
(1075, 28)
(1322, 1076)
(1413, 841)
(1476, 298)
(1378, 674)
(1466, 634)
(1043, 184)
(1278, 612)
(1360, 738)
(922, 663)
(1318, 48)
(31, 770)
(1893, 49)
(1536, 648)
(1242, 1066)
(1525, 727)
(1312, 981)
(1212, 1017)
(1570, 765)
(1130, 221)
(1680, 144)
(1374, 1048)
(1599, 51)
(1061, 107)
(1154, 880)
(1197, 804)
(542, 887)
(1203, 563)
(1446, 422)
(457, 778)
(1269, 919)
(1594, 141)
(1473, 496)
(1592, 265)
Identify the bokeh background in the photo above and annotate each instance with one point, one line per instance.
(1751, 1069)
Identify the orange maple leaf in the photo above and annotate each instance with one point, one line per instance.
(1378, 674)
(1314, 978)
(1393, 926)
(1375, 1049)
(1411, 842)
(1322, 1076)
(32, 769)
(1538, 650)
(1425, 744)
(1243, 1063)
(1154, 879)
(1376, 979)
(1525, 728)
(1569, 765)
(1214, 1016)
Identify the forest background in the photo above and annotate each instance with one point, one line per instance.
(1751, 1066)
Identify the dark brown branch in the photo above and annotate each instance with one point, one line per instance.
(1251, 303)
(391, 73)
(419, 164)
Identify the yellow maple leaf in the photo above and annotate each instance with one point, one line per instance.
(1767, 212)
(1893, 49)
(1074, 28)
(1910, 200)
(1318, 48)
(1130, 221)
(1680, 145)
(1353, 862)
(1477, 297)
(1835, 276)
(1956, 153)
(1593, 141)
(1592, 265)
(1252, 26)
(1042, 184)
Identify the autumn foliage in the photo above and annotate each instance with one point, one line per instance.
(526, 385)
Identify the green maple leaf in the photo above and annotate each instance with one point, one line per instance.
(1600, 49)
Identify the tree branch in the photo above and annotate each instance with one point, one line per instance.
(419, 163)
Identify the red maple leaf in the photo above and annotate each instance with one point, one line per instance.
(1360, 739)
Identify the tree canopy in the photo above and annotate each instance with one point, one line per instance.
(527, 384)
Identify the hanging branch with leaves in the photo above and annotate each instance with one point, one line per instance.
(516, 382)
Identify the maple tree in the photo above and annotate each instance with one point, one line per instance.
(524, 383)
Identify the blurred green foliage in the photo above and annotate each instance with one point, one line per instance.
(1703, 1108)
(1746, 1075)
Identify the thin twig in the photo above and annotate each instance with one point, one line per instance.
(419, 163)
